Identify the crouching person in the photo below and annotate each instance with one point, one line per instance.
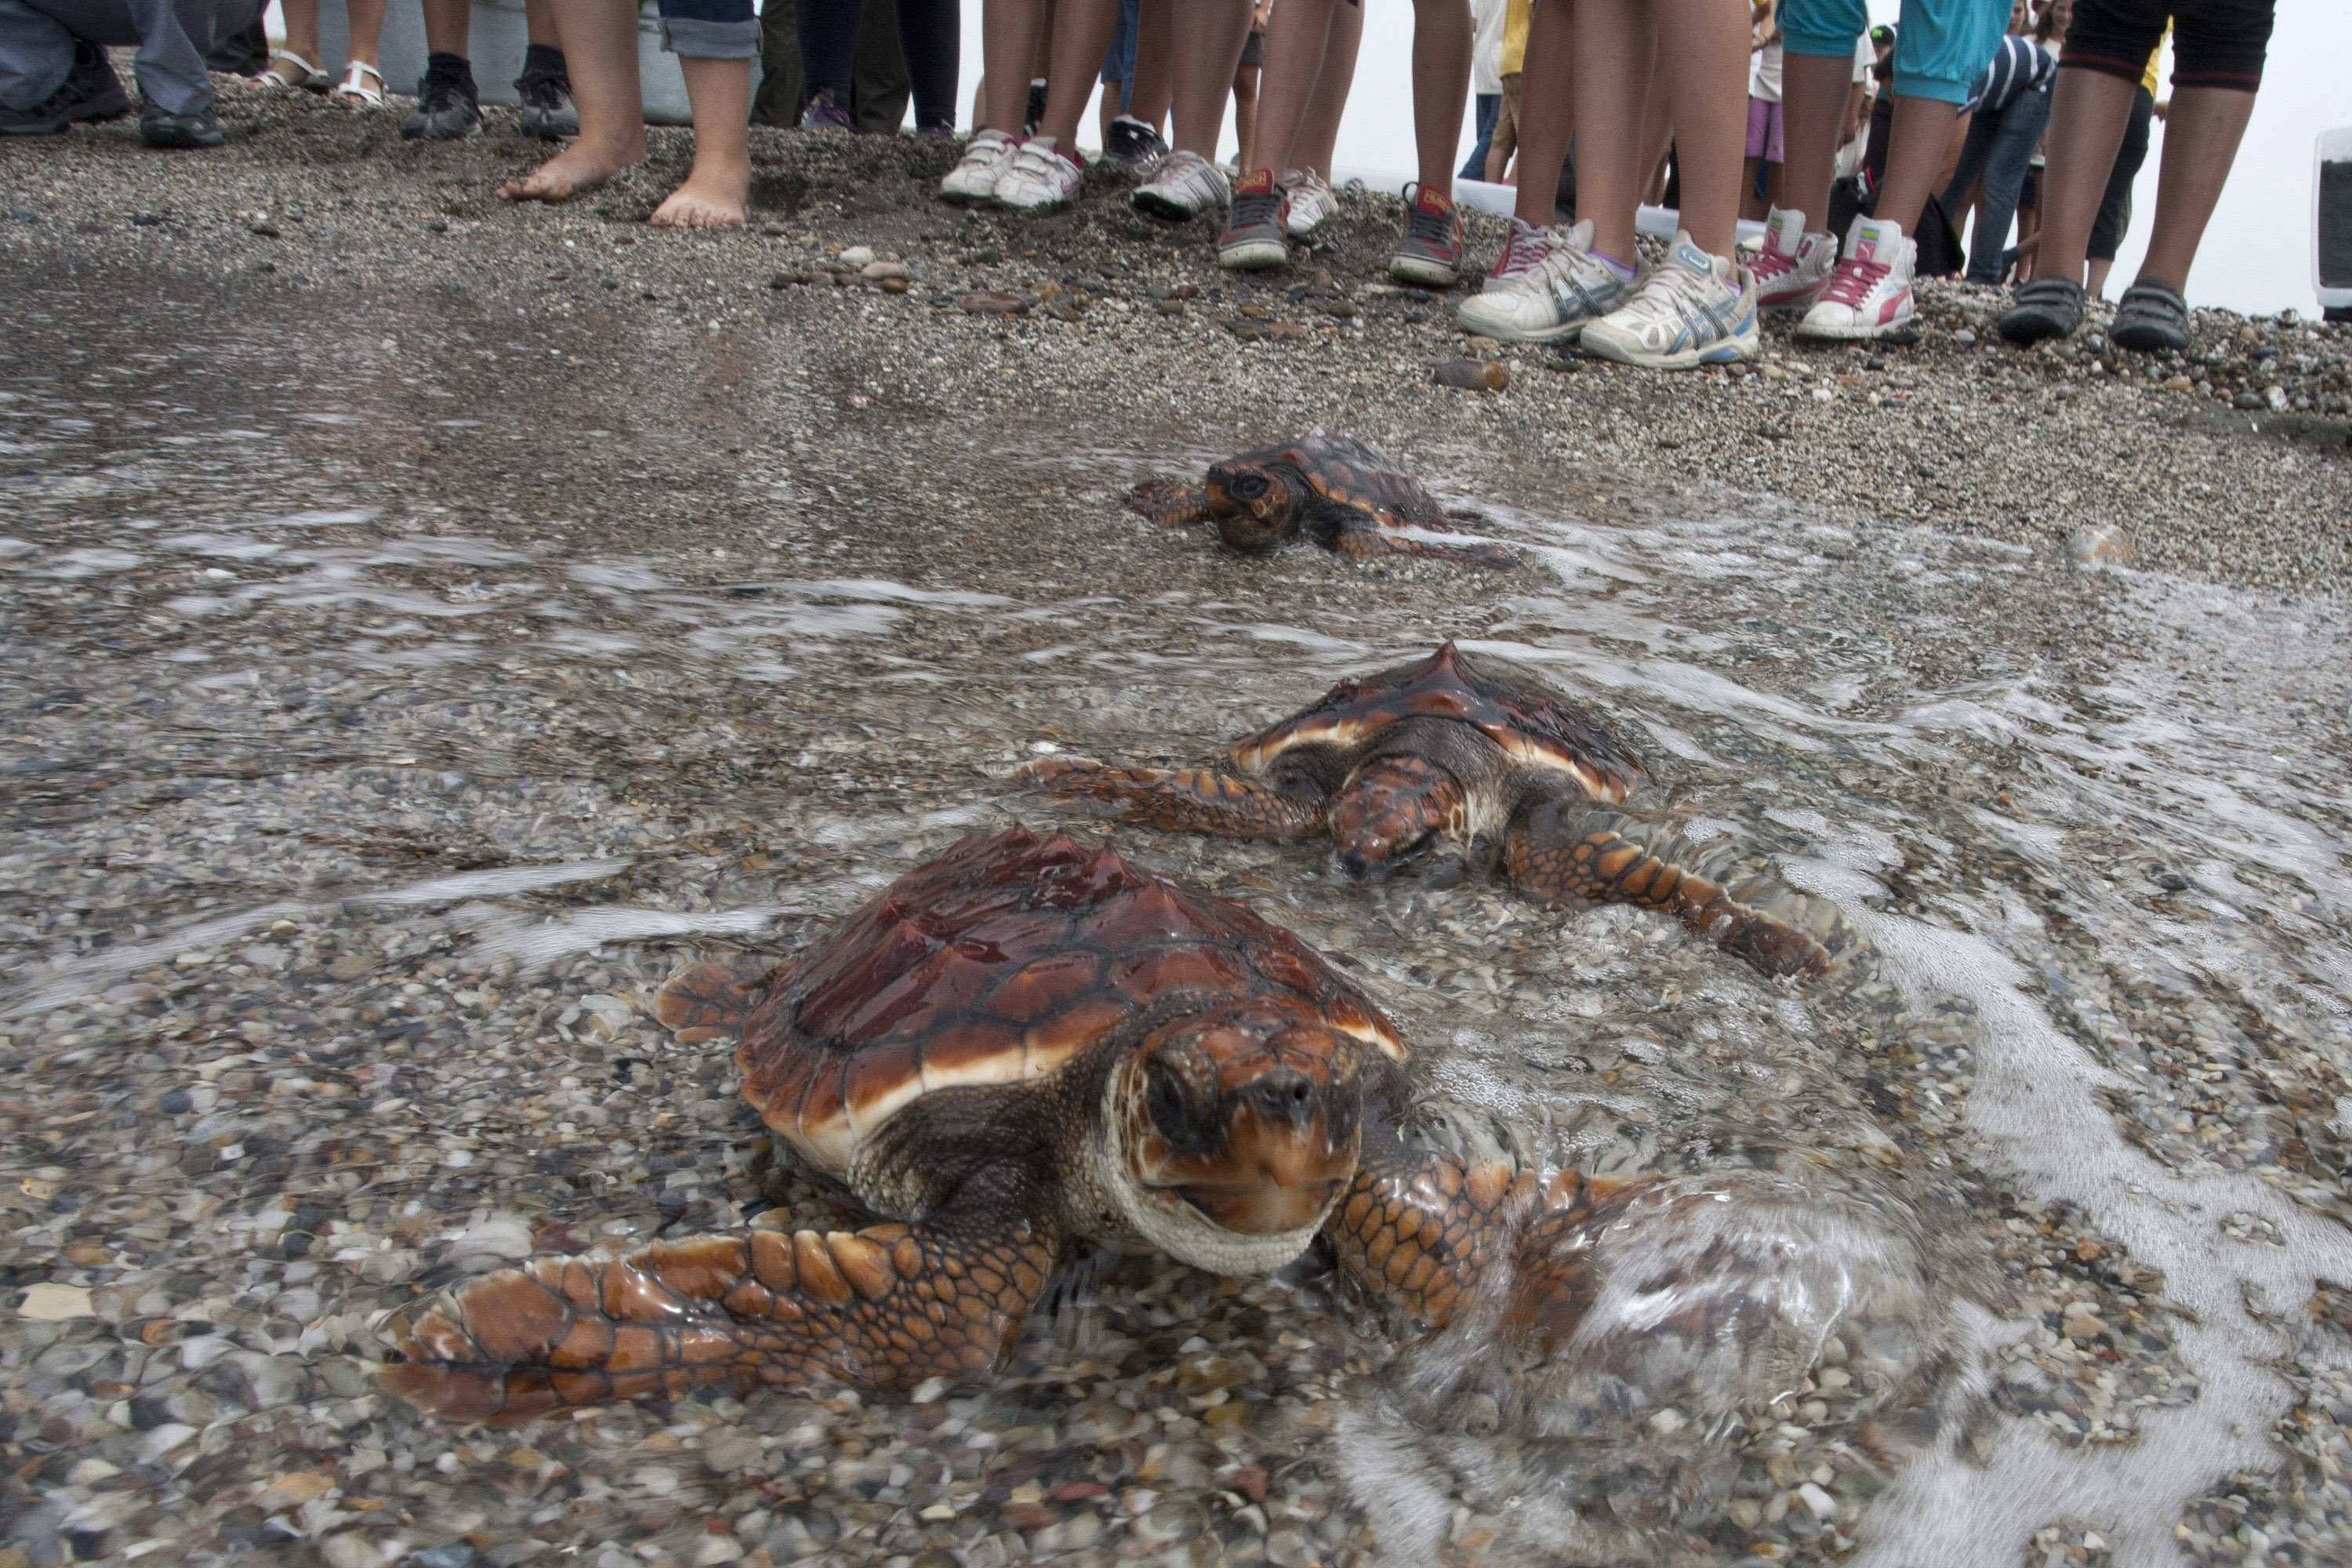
(54, 73)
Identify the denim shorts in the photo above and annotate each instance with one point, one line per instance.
(1940, 49)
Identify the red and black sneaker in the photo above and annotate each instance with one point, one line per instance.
(1430, 252)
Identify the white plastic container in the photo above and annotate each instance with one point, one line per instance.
(495, 44)
(2331, 218)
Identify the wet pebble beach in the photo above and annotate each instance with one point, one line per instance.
(430, 623)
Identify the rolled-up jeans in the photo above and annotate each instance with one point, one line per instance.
(1999, 147)
(710, 29)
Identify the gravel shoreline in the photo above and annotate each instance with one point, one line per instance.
(428, 624)
(2231, 464)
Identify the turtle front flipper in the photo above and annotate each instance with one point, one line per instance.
(1170, 501)
(1573, 851)
(1423, 1228)
(1371, 543)
(1179, 800)
(708, 1001)
(882, 1308)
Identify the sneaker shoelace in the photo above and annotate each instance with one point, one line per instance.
(1527, 246)
(1254, 207)
(1431, 227)
(1771, 262)
(1853, 280)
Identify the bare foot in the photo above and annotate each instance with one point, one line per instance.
(579, 167)
(714, 196)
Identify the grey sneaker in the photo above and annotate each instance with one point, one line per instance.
(157, 128)
(1255, 235)
(2044, 308)
(447, 108)
(2152, 317)
(548, 111)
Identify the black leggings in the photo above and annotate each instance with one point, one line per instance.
(2108, 228)
(2215, 43)
(929, 33)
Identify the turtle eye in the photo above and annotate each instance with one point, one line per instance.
(1245, 487)
(1164, 1097)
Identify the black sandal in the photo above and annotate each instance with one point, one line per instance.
(2044, 308)
(2152, 317)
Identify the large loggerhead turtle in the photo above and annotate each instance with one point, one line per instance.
(1332, 489)
(1024, 1044)
(1452, 751)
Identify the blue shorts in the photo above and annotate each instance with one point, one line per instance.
(1118, 64)
(1941, 47)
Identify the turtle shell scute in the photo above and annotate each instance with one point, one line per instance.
(998, 962)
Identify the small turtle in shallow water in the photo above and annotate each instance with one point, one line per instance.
(1332, 489)
(1023, 1046)
(1455, 751)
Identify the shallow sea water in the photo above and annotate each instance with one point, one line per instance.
(355, 812)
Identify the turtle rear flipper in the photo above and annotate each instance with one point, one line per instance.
(886, 1307)
(1171, 502)
(1573, 851)
(708, 1001)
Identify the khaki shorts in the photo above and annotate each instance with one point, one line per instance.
(1505, 139)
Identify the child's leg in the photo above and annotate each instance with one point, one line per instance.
(1154, 87)
(1295, 41)
(1612, 70)
(828, 35)
(301, 35)
(1708, 56)
(1312, 145)
(1008, 42)
(364, 33)
(1545, 116)
(1440, 86)
(1209, 34)
(599, 38)
(715, 41)
(448, 25)
(1246, 113)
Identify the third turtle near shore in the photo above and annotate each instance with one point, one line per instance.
(1332, 489)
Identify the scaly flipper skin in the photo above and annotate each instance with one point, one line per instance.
(1179, 800)
(1421, 1232)
(1360, 543)
(883, 1308)
(1171, 502)
(1572, 851)
(706, 1001)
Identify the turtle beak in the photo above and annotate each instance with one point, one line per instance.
(1285, 1158)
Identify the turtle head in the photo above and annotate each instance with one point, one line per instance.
(1391, 812)
(1233, 1132)
(1254, 505)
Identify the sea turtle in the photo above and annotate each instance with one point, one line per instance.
(1024, 1045)
(1466, 753)
(1333, 490)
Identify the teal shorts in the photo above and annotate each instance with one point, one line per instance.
(1941, 47)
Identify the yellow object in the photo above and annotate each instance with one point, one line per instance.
(1515, 37)
(2147, 78)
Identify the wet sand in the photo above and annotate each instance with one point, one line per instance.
(430, 623)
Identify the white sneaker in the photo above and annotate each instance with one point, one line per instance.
(1695, 309)
(1522, 249)
(1040, 176)
(1566, 289)
(985, 158)
(1311, 202)
(1869, 295)
(1184, 187)
(1794, 266)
